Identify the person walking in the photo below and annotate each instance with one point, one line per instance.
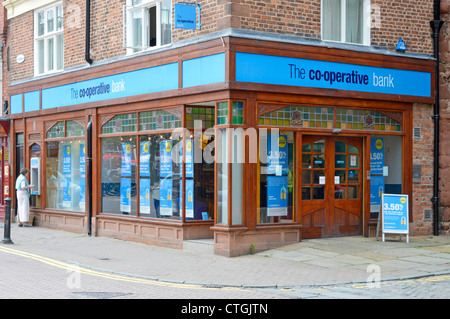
(23, 197)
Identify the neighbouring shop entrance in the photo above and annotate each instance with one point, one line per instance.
(331, 186)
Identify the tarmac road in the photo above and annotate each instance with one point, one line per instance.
(50, 264)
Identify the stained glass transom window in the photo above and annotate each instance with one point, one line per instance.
(238, 112)
(74, 129)
(323, 117)
(350, 119)
(158, 120)
(299, 116)
(222, 113)
(122, 123)
(204, 114)
(57, 131)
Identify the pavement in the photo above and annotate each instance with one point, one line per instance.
(307, 263)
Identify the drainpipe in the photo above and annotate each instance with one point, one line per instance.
(89, 175)
(436, 25)
(88, 33)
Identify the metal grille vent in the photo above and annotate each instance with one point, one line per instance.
(427, 214)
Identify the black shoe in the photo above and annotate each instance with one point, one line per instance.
(20, 225)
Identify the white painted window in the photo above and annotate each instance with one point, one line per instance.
(49, 39)
(147, 24)
(346, 21)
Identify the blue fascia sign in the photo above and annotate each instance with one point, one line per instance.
(278, 70)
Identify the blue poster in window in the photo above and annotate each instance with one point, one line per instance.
(82, 176)
(376, 155)
(277, 192)
(82, 193)
(67, 160)
(126, 160)
(144, 196)
(376, 190)
(82, 160)
(165, 197)
(125, 195)
(189, 160)
(144, 159)
(277, 155)
(67, 192)
(165, 159)
(395, 214)
(189, 198)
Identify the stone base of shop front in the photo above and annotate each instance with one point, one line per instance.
(73, 222)
(232, 243)
(149, 232)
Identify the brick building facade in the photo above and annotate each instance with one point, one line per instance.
(232, 32)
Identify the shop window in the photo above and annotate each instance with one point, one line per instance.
(346, 21)
(65, 167)
(118, 175)
(49, 39)
(230, 159)
(386, 169)
(66, 186)
(351, 119)
(160, 177)
(277, 176)
(148, 23)
(142, 174)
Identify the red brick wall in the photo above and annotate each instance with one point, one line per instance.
(423, 155)
(407, 19)
(444, 90)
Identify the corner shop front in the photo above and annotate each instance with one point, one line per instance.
(283, 151)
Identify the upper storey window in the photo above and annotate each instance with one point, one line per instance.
(346, 21)
(48, 39)
(148, 24)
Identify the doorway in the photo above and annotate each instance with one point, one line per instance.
(331, 186)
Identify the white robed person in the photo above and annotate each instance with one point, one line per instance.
(23, 197)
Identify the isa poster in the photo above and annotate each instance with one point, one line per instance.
(189, 198)
(376, 155)
(67, 188)
(277, 192)
(277, 155)
(125, 195)
(82, 176)
(126, 160)
(165, 159)
(376, 172)
(144, 159)
(67, 160)
(165, 197)
(189, 160)
(144, 196)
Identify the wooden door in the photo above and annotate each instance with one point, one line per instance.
(331, 186)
